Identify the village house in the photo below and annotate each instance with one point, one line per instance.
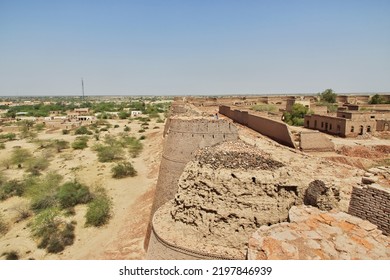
(349, 123)
(135, 113)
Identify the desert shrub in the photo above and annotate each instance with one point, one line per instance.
(126, 129)
(20, 156)
(23, 213)
(43, 191)
(3, 178)
(2, 146)
(11, 188)
(116, 126)
(83, 130)
(37, 164)
(99, 210)
(51, 231)
(122, 170)
(11, 255)
(159, 120)
(8, 136)
(143, 119)
(39, 126)
(101, 122)
(135, 149)
(108, 153)
(72, 193)
(80, 143)
(141, 130)
(143, 137)
(43, 143)
(65, 131)
(111, 140)
(133, 144)
(61, 145)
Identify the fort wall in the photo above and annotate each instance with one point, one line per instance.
(184, 137)
(275, 130)
(372, 203)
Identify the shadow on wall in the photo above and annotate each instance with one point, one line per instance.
(275, 130)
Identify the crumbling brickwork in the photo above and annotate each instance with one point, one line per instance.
(372, 203)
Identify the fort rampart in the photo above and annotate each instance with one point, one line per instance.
(184, 137)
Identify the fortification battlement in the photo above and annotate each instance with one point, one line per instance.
(185, 136)
(201, 125)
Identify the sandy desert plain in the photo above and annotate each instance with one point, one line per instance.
(121, 237)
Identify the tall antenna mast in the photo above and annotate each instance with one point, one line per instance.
(82, 86)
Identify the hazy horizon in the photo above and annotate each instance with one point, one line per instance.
(145, 47)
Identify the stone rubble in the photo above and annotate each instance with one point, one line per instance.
(236, 155)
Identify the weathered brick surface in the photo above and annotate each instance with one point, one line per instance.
(372, 203)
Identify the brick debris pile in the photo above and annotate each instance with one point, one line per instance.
(236, 155)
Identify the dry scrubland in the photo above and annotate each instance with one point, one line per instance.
(79, 196)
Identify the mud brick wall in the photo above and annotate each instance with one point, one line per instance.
(372, 203)
(275, 130)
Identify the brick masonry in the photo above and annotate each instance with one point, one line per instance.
(372, 203)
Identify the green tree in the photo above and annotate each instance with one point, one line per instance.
(297, 115)
(328, 95)
(377, 99)
(123, 115)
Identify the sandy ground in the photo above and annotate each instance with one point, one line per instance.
(122, 237)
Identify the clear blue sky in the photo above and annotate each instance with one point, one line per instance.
(193, 47)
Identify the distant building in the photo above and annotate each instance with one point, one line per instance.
(81, 111)
(135, 113)
(349, 123)
(290, 103)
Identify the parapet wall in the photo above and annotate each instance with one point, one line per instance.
(372, 203)
(275, 130)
